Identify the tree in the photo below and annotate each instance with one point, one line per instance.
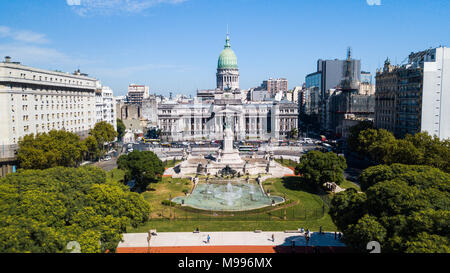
(46, 150)
(293, 133)
(120, 129)
(375, 174)
(352, 140)
(382, 147)
(347, 207)
(428, 243)
(409, 201)
(318, 168)
(92, 150)
(42, 210)
(103, 133)
(154, 133)
(143, 167)
(367, 229)
(378, 144)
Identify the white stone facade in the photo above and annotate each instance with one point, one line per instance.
(204, 119)
(105, 106)
(36, 101)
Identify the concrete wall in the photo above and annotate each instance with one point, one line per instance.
(436, 95)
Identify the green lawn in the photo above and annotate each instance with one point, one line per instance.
(349, 184)
(234, 225)
(303, 209)
(171, 163)
(115, 175)
(287, 163)
(166, 189)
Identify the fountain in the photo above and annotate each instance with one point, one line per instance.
(228, 162)
(219, 194)
(225, 195)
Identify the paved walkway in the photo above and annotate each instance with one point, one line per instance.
(227, 242)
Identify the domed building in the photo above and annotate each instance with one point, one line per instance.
(206, 116)
(227, 68)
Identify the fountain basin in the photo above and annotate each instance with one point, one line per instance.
(228, 197)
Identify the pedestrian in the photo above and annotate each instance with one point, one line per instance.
(335, 234)
(273, 237)
(208, 239)
(320, 230)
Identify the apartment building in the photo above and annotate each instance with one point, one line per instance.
(414, 97)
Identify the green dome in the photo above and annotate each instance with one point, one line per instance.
(227, 59)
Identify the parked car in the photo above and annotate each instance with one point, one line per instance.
(108, 158)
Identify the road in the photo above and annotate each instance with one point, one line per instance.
(107, 165)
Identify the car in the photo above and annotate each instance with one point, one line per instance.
(85, 163)
(108, 158)
(130, 150)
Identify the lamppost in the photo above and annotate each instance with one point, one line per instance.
(149, 237)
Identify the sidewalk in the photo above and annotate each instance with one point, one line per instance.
(226, 242)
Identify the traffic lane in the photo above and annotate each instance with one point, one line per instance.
(107, 165)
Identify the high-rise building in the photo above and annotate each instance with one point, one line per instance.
(274, 86)
(414, 97)
(137, 93)
(329, 75)
(34, 100)
(347, 105)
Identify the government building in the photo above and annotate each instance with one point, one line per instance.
(34, 101)
(203, 118)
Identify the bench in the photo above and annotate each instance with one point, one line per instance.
(258, 231)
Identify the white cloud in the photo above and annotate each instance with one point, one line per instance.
(374, 2)
(73, 2)
(127, 71)
(30, 37)
(85, 7)
(23, 35)
(4, 31)
(36, 55)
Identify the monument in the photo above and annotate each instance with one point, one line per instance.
(227, 160)
(229, 155)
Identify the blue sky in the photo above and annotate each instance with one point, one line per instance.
(173, 45)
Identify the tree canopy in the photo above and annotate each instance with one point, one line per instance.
(352, 140)
(317, 168)
(143, 167)
(42, 210)
(402, 206)
(120, 129)
(47, 150)
(103, 132)
(382, 147)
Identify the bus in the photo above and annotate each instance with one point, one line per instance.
(148, 140)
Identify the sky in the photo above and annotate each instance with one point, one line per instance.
(173, 45)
